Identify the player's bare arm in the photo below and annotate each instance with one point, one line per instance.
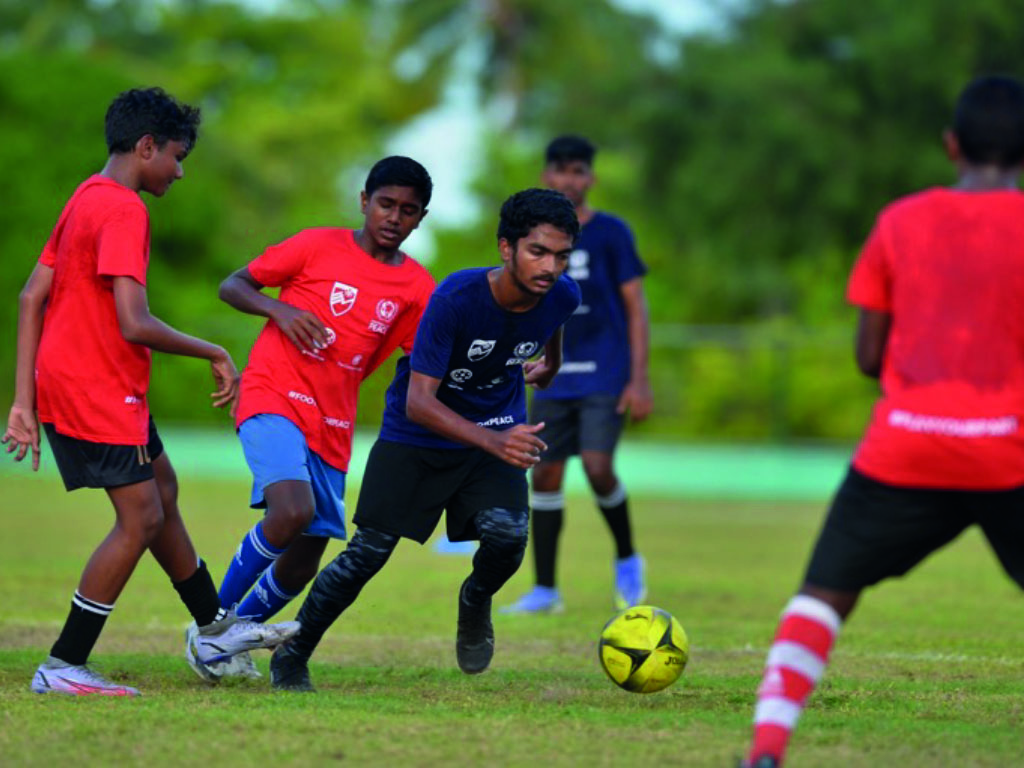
(637, 397)
(138, 326)
(872, 336)
(518, 446)
(22, 433)
(539, 373)
(245, 293)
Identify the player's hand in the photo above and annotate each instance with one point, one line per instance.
(520, 445)
(302, 328)
(22, 434)
(226, 379)
(538, 374)
(638, 399)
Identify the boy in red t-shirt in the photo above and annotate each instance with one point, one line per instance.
(84, 340)
(939, 284)
(349, 298)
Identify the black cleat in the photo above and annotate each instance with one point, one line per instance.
(474, 642)
(288, 673)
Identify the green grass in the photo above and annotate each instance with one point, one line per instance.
(929, 672)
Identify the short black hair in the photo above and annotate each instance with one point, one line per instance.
(533, 207)
(141, 111)
(566, 149)
(399, 171)
(989, 121)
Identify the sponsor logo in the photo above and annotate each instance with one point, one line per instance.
(588, 366)
(132, 400)
(338, 423)
(343, 298)
(378, 327)
(999, 426)
(525, 349)
(497, 421)
(579, 265)
(582, 309)
(302, 398)
(331, 338)
(461, 375)
(480, 349)
(387, 309)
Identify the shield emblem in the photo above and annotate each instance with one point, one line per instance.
(479, 349)
(343, 297)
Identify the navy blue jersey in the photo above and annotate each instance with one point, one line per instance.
(596, 341)
(477, 349)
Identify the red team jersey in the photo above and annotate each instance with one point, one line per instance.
(369, 309)
(91, 384)
(948, 266)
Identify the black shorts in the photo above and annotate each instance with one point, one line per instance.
(405, 488)
(584, 424)
(874, 531)
(84, 464)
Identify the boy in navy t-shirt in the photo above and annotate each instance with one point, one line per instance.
(603, 377)
(454, 437)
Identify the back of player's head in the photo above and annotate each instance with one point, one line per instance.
(141, 111)
(398, 171)
(989, 121)
(533, 207)
(567, 149)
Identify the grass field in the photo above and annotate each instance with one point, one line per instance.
(929, 671)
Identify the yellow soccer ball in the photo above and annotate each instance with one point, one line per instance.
(643, 649)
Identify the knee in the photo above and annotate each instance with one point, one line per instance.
(291, 518)
(169, 492)
(505, 530)
(600, 474)
(547, 476)
(365, 554)
(145, 526)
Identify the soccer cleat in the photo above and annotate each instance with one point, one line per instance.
(210, 673)
(537, 600)
(56, 676)
(630, 582)
(474, 640)
(764, 761)
(289, 673)
(220, 640)
(240, 665)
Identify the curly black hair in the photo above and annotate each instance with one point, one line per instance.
(399, 171)
(533, 207)
(141, 111)
(989, 121)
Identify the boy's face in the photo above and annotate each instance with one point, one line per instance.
(391, 214)
(573, 178)
(161, 166)
(538, 259)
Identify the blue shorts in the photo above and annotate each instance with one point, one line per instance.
(276, 450)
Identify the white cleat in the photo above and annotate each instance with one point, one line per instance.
(55, 676)
(210, 673)
(221, 640)
(240, 665)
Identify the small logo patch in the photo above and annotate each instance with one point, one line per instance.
(461, 375)
(387, 309)
(479, 349)
(525, 349)
(343, 298)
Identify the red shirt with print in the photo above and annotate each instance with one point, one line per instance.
(948, 265)
(370, 309)
(91, 384)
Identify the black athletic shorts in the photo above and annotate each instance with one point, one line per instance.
(874, 531)
(405, 488)
(584, 424)
(84, 464)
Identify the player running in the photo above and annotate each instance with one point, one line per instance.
(603, 378)
(939, 284)
(348, 300)
(85, 337)
(455, 431)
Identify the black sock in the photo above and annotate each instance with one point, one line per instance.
(547, 526)
(81, 630)
(199, 596)
(615, 508)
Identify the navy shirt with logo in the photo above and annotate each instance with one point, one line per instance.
(596, 340)
(477, 349)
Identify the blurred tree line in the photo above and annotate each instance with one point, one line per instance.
(750, 159)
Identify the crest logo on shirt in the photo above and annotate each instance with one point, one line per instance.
(461, 375)
(387, 309)
(579, 265)
(479, 349)
(343, 298)
(526, 349)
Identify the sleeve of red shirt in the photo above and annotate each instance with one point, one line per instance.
(870, 285)
(122, 244)
(279, 263)
(48, 258)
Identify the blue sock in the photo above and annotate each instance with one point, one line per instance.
(266, 599)
(254, 555)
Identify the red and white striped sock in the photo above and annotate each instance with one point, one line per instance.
(795, 664)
